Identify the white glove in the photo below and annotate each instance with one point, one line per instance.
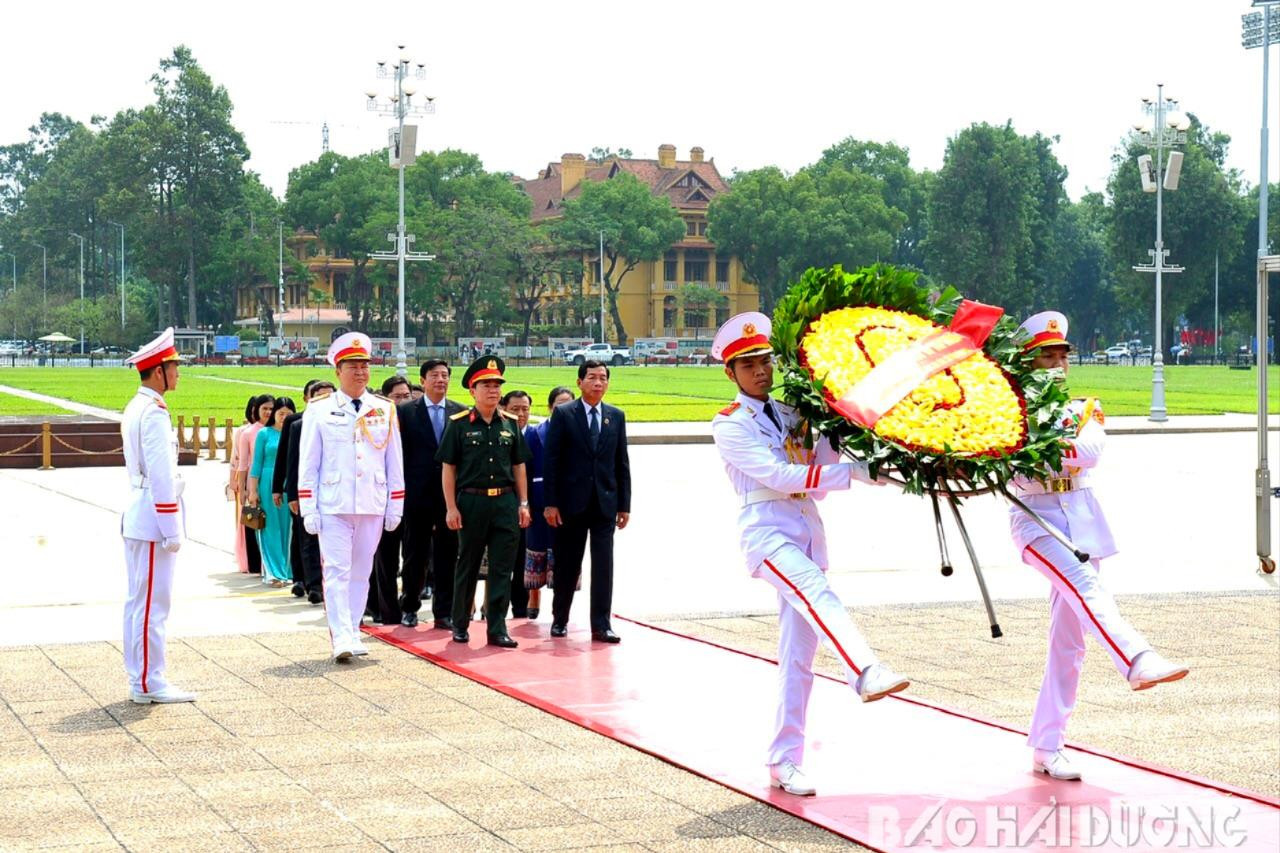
(171, 544)
(311, 524)
(859, 471)
(390, 522)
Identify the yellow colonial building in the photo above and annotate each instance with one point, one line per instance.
(312, 309)
(653, 301)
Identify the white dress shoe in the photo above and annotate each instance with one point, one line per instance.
(878, 681)
(1055, 764)
(163, 696)
(341, 654)
(1150, 669)
(358, 649)
(791, 779)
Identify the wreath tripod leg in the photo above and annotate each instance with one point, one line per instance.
(977, 569)
(942, 536)
(1046, 526)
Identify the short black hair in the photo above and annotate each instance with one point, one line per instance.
(431, 364)
(415, 387)
(284, 403)
(513, 393)
(306, 389)
(391, 382)
(587, 365)
(147, 373)
(252, 411)
(322, 384)
(557, 391)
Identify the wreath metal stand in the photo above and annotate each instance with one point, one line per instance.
(940, 484)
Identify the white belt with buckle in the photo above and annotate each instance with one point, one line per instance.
(759, 496)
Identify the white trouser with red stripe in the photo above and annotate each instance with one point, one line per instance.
(1080, 604)
(347, 546)
(146, 608)
(809, 613)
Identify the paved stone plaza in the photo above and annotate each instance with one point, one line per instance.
(286, 750)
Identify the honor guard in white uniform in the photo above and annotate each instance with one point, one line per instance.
(152, 524)
(776, 480)
(350, 486)
(1079, 603)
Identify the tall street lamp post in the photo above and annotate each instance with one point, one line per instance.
(13, 259)
(1261, 30)
(1162, 129)
(280, 237)
(81, 239)
(44, 280)
(402, 152)
(121, 281)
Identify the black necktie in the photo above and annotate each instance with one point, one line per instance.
(355, 404)
(768, 410)
(595, 428)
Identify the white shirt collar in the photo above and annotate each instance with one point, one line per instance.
(426, 401)
(587, 408)
(150, 392)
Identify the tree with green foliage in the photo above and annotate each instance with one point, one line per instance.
(637, 226)
(991, 215)
(778, 226)
(902, 188)
(336, 198)
(195, 157)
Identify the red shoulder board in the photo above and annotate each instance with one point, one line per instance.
(731, 408)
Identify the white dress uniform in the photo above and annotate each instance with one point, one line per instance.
(1079, 602)
(776, 481)
(350, 489)
(152, 527)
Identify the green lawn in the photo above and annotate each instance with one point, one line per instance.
(11, 405)
(646, 393)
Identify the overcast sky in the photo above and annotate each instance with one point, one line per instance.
(520, 83)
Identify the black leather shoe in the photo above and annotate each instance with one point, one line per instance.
(315, 597)
(426, 594)
(533, 613)
(605, 636)
(298, 590)
(461, 637)
(409, 620)
(559, 630)
(443, 625)
(503, 641)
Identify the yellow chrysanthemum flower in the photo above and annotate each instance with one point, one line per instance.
(970, 408)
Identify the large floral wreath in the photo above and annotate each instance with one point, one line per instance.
(982, 419)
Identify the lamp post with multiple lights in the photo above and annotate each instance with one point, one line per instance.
(400, 104)
(1163, 128)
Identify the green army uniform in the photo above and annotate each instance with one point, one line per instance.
(484, 455)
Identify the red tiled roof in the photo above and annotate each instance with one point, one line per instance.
(545, 193)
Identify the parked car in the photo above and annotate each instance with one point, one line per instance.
(1118, 351)
(605, 353)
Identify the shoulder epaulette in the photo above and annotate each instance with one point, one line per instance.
(507, 414)
(317, 397)
(460, 415)
(731, 408)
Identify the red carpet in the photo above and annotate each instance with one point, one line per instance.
(892, 775)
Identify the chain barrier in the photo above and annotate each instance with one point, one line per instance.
(21, 447)
(84, 452)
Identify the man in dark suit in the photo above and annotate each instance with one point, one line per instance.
(425, 532)
(587, 483)
(304, 547)
(383, 604)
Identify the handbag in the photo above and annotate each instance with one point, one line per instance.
(253, 517)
